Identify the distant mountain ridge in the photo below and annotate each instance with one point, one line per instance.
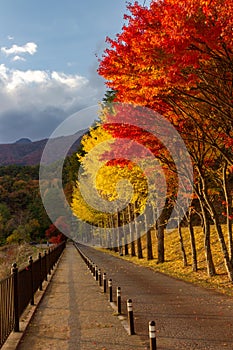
(27, 152)
(23, 140)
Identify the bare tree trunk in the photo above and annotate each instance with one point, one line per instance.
(209, 258)
(160, 238)
(125, 236)
(228, 199)
(185, 262)
(101, 239)
(200, 189)
(218, 227)
(114, 235)
(131, 233)
(188, 217)
(227, 261)
(193, 246)
(139, 248)
(110, 238)
(119, 235)
(138, 241)
(149, 250)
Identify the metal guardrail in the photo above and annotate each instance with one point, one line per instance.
(17, 291)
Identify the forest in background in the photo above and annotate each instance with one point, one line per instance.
(23, 217)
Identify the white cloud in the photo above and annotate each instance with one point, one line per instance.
(72, 81)
(10, 37)
(18, 58)
(29, 48)
(3, 73)
(15, 79)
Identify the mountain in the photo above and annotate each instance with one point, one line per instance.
(23, 140)
(27, 152)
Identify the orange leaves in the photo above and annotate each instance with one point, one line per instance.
(171, 52)
(172, 35)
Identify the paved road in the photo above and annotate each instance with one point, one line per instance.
(186, 316)
(75, 314)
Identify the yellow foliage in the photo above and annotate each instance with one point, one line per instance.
(111, 182)
(116, 182)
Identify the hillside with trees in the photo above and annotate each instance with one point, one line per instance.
(22, 215)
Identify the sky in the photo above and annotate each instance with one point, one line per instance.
(48, 61)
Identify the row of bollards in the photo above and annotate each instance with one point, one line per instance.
(102, 281)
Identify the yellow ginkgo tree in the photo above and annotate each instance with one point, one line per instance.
(109, 193)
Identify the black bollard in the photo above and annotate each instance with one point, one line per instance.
(104, 282)
(110, 289)
(99, 277)
(91, 267)
(119, 300)
(130, 316)
(96, 272)
(152, 335)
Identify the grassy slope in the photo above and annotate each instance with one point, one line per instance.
(173, 265)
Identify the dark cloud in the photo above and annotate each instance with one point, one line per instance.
(34, 103)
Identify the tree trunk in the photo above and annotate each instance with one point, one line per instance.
(149, 250)
(114, 235)
(193, 246)
(184, 256)
(119, 235)
(138, 241)
(209, 258)
(139, 248)
(131, 233)
(160, 238)
(200, 190)
(226, 257)
(228, 199)
(221, 238)
(125, 236)
(110, 238)
(126, 249)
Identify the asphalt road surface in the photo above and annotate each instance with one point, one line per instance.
(186, 316)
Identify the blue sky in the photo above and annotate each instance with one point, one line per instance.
(48, 61)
